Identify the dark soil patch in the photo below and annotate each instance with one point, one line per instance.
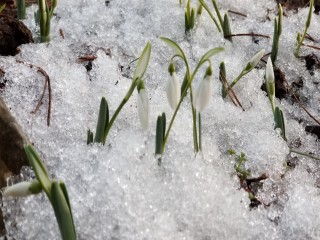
(295, 4)
(13, 33)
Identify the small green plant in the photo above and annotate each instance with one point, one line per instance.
(276, 35)
(173, 91)
(224, 22)
(21, 6)
(239, 165)
(270, 86)
(300, 37)
(43, 18)
(104, 125)
(190, 16)
(248, 68)
(56, 192)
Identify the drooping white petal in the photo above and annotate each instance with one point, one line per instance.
(269, 71)
(173, 91)
(143, 108)
(203, 94)
(18, 190)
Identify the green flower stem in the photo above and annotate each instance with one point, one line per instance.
(305, 154)
(123, 102)
(218, 12)
(194, 119)
(21, 5)
(211, 15)
(200, 133)
(300, 39)
(234, 82)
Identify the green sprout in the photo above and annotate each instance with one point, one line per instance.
(300, 37)
(270, 86)
(251, 64)
(43, 17)
(189, 17)
(104, 125)
(189, 76)
(224, 22)
(276, 35)
(56, 192)
(239, 165)
(21, 6)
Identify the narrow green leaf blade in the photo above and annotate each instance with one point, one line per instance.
(227, 27)
(102, 121)
(65, 192)
(209, 54)
(175, 47)
(38, 167)
(160, 133)
(62, 212)
(143, 62)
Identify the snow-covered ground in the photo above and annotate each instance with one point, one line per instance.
(118, 191)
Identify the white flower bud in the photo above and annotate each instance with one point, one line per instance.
(269, 77)
(22, 189)
(254, 60)
(173, 91)
(143, 108)
(203, 92)
(269, 72)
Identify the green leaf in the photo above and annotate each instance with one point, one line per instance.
(210, 13)
(143, 62)
(209, 54)
(192, 18)
(279, 122)
(223, 78)
(103, 121)
(184, 86)
(309, 14)
(280, 12)
(206, 57)
(175, 47)
(65, 192)
(227, 27)
(160, 133)
(62, 211)
(39, 169)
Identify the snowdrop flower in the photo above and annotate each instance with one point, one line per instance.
(143, 105)
(269, 77)
(173, 88)
(203, 92)
(23, 189)
(254, 60)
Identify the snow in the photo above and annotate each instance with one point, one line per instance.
(118, 191)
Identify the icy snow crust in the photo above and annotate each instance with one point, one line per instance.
(118, 191)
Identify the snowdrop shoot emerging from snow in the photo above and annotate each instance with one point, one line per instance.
(173, 88)
(143, 105)
(203, 91)
(269, 77)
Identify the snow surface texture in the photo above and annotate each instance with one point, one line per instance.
(118, 191)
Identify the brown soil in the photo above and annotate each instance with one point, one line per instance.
(13, 33)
